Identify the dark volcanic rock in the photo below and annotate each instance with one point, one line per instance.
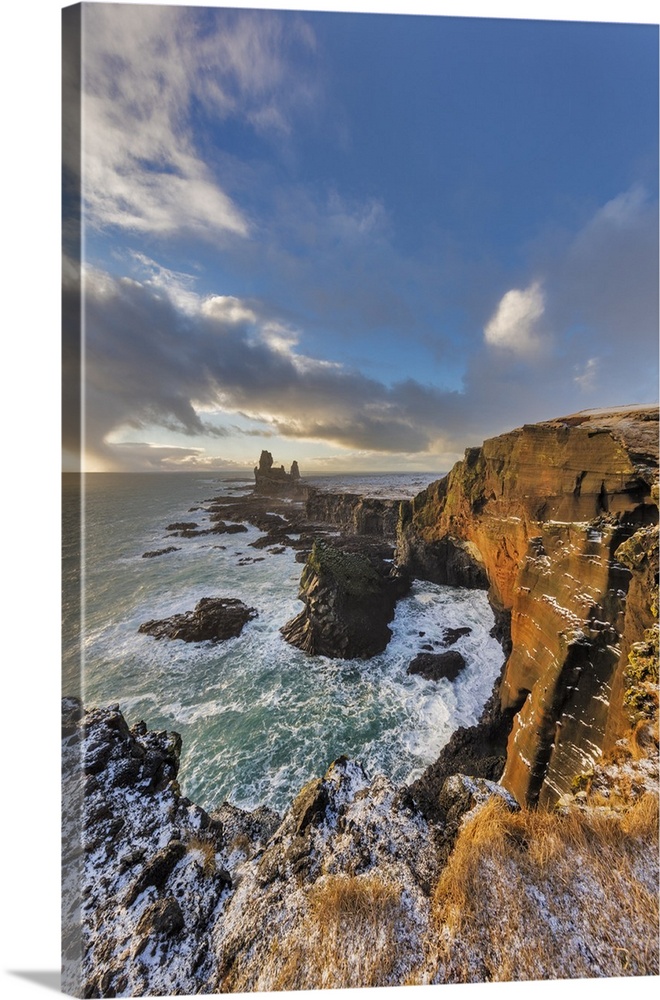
(157, 871)
(349, 599)
(452, 635)
(219, 528)
(160, 552)
(354, 513)
(214, 619)
(144, 872)
(228, 529)
(181, 526)
(162, 917)
(271, 479)
(445, 560)
(434, 666)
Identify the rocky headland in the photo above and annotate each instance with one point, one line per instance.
(559, 521)
(353, 513)
(361, 883)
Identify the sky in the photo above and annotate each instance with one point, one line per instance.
(362, 241)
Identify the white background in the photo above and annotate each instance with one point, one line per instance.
(29, 602)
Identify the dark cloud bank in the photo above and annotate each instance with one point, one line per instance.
(152, 359)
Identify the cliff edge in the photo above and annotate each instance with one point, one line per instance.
(559, 521)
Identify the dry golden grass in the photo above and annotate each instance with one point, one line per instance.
(241, 843)
(349, 938)
(353, 900)
(206, 851)
(540, 895)
(643, 739)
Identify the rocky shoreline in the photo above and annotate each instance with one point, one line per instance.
(559, 522)
(176, 900)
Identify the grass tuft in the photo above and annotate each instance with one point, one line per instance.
(350, 936)
(205, 852)
(536, 894)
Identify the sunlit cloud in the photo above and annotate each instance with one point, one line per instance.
(142, 456)
(227, 309)
(514, 325)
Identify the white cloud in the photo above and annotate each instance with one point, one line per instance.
(587, 377)
(144, 68)
(227, 309)
(514, 325)
(620, 212)
(177, 285)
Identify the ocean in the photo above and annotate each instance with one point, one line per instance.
(258, 717)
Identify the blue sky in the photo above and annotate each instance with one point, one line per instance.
(363, 241)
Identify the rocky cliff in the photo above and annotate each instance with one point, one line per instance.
(353, 513)
(166, 898)
(361, 883)
(557, 520)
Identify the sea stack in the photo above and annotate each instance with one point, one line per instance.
(270, 479)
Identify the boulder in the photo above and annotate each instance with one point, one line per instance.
(213, 619)
(452, 635)
(435, 666)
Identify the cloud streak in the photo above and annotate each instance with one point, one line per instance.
(145, 70)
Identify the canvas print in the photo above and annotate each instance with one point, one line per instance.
(360, 500)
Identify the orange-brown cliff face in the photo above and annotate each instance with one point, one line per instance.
(537, 515)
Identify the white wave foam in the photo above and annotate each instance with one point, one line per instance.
(257, 716)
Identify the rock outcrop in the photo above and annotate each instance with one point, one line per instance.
(166, 898)
(355, 884)
(213, 620)
(354, 513)
(141, 900)
(349, 599)
(271, 479)
(538, 516)
(436, 666)
(159, 552)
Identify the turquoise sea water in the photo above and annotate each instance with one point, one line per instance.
(258, 717)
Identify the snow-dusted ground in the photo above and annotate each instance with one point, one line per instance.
(343, 890)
